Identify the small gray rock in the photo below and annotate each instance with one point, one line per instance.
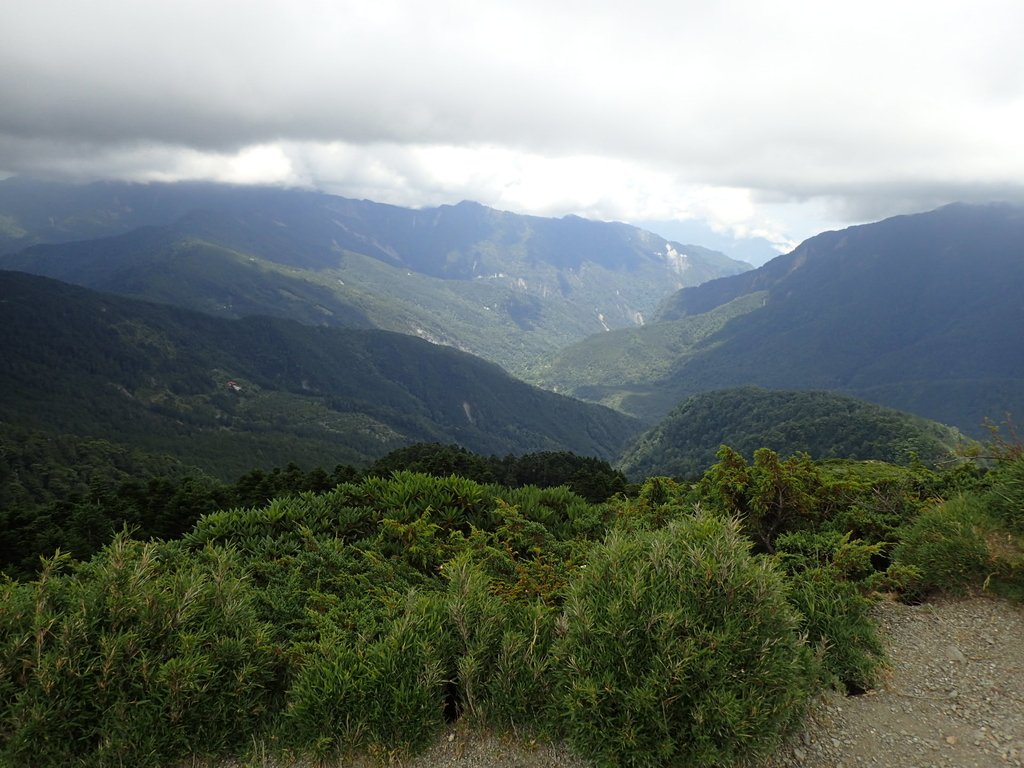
(955, 654)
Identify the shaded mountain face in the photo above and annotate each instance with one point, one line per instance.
(506, 287)
(228, 395)
(922, 313)
(824, 424)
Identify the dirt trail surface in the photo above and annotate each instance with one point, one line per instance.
(953, 697)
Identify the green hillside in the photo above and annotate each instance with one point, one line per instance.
(920, 313)
(505, 287)
(824, 424)
(622, 368)
(227, 396)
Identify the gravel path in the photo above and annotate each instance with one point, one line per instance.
(953, 696)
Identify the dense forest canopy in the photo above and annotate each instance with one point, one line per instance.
(230, 395)
(823, 424)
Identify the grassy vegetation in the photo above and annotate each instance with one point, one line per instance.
(684, 625)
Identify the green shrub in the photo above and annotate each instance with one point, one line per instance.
(462, 652)
(836, 620)
(770, 497)
(519, 692)
(385, 692)
(1004, 537)
(947, 545)
(848, 558)
(876, 514)
(500, 650)
(899, 579)
(475, 619)
(1005, 498)
(872, 500)
(143, 657)
(678, 647)
(828, 574)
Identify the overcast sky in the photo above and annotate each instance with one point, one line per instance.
(771, 117)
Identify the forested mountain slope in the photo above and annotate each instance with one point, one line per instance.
(503, 286)
(824, 424)
(228, 395)
(921, 313)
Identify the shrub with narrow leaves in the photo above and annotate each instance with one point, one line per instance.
(947, 546)
(1005, 498)
(835, 616)
(679, 648)
(829, 575)
(500, 649)
(384, 692)
(144, 656)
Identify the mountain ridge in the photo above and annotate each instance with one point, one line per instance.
(505, 287)
(262, 391)
(918, 312)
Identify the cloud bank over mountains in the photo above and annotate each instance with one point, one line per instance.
(766, 119)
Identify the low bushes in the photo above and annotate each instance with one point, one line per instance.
(946, 546)
(499, 650)
(384, 692)
(363, 619)
(834, 614)
(1005, 499)
(828, 576)
(679, 648)
(645, 631)
(143, 656)
(959, 546)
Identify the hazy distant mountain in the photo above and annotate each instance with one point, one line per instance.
(228, 395)
(922, 313)
(823, 424)
(753, 250)
(506, 287)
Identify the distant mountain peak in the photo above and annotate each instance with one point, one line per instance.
(505, 286)
(919, 312)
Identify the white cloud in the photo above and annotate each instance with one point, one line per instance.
(768, 118)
